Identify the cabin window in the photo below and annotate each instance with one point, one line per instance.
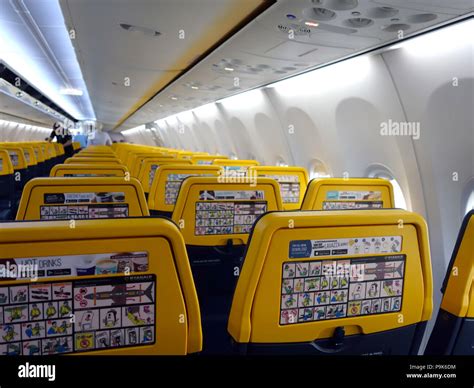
(400, 201)
(318, 169)
(384, 173)
(469, 202)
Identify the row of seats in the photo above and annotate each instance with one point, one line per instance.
(215, 217)
(215, 245)
(258, 323)
(20, 162)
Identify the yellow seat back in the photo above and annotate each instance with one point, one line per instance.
(213, 211)
(89, 170)
(149, 166)
(81, 198)
(6, 166)
(350, 193)
(453, 333)
(292, 180)
(99, 160)
(167, 183)
(105, 287)
(352, 279)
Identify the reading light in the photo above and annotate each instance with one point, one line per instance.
(311, 24)
(228, 69)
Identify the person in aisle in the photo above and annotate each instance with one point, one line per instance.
(62, 136)
(99, 137)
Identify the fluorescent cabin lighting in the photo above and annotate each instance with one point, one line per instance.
(443, 40)
(71, 92)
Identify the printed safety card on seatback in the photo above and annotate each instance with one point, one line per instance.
(336, 287)
(76, 316)
(229, 217)
(60, 206)
(73, 265)
(173, 184)
(337, 200)
(289, 187)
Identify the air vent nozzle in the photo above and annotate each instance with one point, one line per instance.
(358, 22)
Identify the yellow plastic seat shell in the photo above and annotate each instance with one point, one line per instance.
(458, 296)
(6, 163)
(17, 152)
(270, 237)
(146, 173)
(157, 196)
(282, 172)
(100, 160)
(37, 239)
(189, 195)
(318, 191)
(33, 193)
(112, 169)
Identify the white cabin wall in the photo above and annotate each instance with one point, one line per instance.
(16, 131)
(425, 76)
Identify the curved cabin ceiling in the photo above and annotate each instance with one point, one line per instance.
(130, 50)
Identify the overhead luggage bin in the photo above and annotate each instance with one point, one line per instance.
(81, 198)
(339, 282)
(167, 183)
(89, 170)
(292, 180)
(105, 287)
(348, 193)
(453, 333)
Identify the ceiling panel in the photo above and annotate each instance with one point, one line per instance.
(122, 67)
